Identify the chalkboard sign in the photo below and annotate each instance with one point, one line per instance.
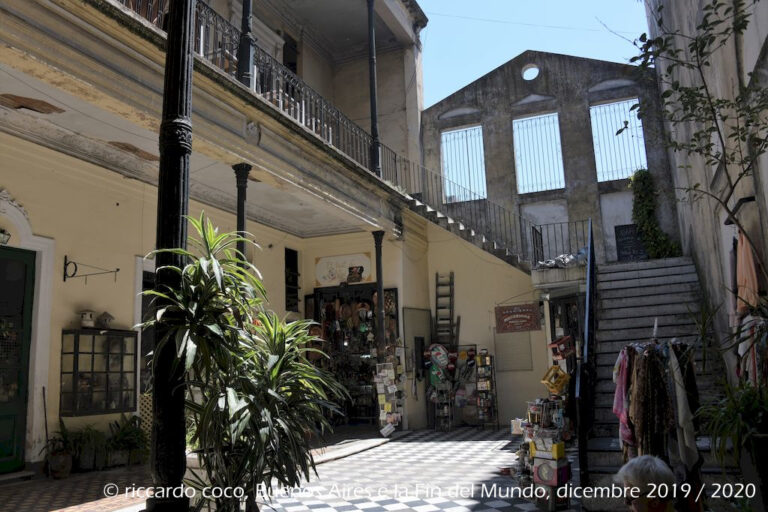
(629, 247)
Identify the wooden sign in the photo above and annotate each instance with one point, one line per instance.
(629, 246)
(518, 318)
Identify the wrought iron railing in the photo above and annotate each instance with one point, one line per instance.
(216, 40)
(548, 241)
(586, 365)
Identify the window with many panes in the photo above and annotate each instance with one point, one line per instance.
(98, 371)
(538, 154)
(617, 156)
(463, 163)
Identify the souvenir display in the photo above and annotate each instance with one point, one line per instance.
(556, 380)
(562, 348)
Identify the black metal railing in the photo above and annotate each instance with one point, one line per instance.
(216, 40)
(548, 241)
(586, 365)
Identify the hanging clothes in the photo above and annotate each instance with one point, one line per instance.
(746, 277)
(686, 433)
(621, 398)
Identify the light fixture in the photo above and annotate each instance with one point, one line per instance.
(4, 237)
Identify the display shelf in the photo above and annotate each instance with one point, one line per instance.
(487, 408)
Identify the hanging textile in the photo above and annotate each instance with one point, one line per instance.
(621, 399)
(686, 433)
(746, 276)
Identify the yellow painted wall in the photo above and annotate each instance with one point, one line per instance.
(481, 282)
(100, 218)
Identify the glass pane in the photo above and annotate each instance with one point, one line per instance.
(115, 344)
(86, 343)
(127, 399)
(66, 382)
(66, 403)
(67, 363)
(114, 381)
(128, 363)
(100, 344)
(113, 399)
(129, 380)
(114, 362)
(68, 343)
(84, 381)
(84, 362)
(99, 363)
(83, 401)
(129, 345)
(100, 400)
(99, 381)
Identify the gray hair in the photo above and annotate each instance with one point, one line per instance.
(644, 470)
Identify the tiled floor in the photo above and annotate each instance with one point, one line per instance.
(425, 471)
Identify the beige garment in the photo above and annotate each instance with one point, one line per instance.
(686, 434)
(746, 276)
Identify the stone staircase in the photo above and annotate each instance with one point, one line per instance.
(630, 297)
(513, 256)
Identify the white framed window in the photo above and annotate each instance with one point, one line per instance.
(617, 156)
(462, 159)
(538, 153)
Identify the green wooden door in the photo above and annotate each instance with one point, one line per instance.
(17, 276)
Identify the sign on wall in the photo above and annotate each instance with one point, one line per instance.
(629, 246)
(351, 268)
(518, 318)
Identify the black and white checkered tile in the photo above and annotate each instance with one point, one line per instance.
(426, 471)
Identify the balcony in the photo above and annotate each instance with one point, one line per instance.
(454, 207)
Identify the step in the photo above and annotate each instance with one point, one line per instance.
(604, 399)
(605, 414)
(688, 310)
(658, 291)
(16, 476)
(642, 320)
(605, 429)
(607, 268)
(615, 346)
(603, 277)
(640, 334)
(706, 384)
(613, 301)
(644, 282)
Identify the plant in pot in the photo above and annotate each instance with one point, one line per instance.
(58, 452)
(252, 393)
(127, 443)
(90, 449)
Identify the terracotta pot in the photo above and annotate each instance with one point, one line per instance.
(60, 464)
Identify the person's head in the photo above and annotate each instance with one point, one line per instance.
(639, 473)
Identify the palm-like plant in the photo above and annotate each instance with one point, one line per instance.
(253, 395)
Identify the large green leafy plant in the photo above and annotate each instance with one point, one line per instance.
(656, 242)
(254, 399)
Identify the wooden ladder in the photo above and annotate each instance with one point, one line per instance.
(446, 330)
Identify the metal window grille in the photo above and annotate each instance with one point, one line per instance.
(617, 156)
(463, 162)
(538, 154)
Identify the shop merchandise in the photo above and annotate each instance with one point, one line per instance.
(654, 399)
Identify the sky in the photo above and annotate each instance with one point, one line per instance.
(465, 39)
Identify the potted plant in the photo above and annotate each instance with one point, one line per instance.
(252, 392)
(90, 449)
(127, 443)
(58, 453)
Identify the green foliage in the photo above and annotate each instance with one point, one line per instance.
(728, 133)
(735, 421)
(62, 441)
(127, 434)
(253, 397)
(657, 243)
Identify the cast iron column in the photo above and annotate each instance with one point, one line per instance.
(241, 176)
(378, 236)
(245, 47)
(168, 426)
(375, 144)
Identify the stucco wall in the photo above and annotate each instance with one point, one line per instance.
(566, 85)
(613, 207)
(482, 282)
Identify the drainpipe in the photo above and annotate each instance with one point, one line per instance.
(245, 48)
(375, 143)
(381, 342)
(241, 178)
(168, 460)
